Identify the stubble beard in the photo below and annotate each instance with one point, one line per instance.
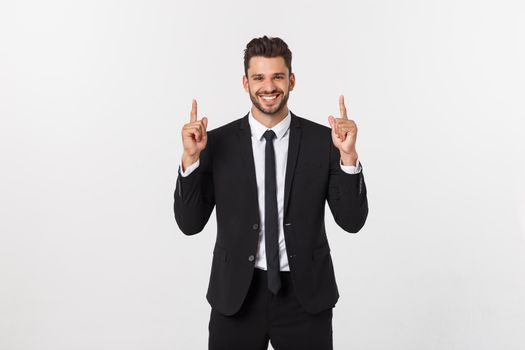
(272, 111)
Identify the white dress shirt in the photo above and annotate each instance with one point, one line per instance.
(280, 144)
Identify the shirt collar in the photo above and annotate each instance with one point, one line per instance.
(259, 129)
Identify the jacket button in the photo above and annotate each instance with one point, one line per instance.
(255, 226)
(251, 258)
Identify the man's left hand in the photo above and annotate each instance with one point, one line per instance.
(344, 134)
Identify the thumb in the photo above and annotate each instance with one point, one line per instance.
(331, 120)
(205, 122)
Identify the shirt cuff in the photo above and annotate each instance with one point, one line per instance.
(189, 169)
(351, 169)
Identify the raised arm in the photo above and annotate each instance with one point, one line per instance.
(347, 192)
(194, 197)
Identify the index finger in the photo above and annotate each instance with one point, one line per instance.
(342, 108)
(193, 114)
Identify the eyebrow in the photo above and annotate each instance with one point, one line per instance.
(262, 75)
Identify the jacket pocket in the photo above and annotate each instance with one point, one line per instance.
(306, 167)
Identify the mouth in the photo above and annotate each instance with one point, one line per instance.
(269, 98)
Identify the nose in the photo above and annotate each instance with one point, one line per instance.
(268, 86)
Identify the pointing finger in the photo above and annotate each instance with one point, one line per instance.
(193, 114)
(342, 107)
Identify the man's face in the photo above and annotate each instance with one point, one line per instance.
(269, 84)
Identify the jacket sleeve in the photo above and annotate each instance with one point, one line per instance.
(194, 195)
(346, 195)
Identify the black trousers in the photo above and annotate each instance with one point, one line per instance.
(265, 317)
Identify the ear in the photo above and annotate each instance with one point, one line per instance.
(245, 83)
(292, 81)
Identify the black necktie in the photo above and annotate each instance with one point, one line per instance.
(271, 219)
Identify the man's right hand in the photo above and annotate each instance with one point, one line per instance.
(194, 137)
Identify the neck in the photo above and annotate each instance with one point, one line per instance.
(269, 120)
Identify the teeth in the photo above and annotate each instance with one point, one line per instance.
(268, 98)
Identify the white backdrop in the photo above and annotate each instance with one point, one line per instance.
(93, 95)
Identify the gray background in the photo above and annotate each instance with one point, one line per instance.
(93, 97)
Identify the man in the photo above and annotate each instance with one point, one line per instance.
(268, 175)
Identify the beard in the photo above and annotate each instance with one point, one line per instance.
(272, 111)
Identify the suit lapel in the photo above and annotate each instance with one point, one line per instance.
(293, 151)
(245, 145)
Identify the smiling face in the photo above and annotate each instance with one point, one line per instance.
(269, 83)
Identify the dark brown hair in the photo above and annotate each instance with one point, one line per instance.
(267, 47)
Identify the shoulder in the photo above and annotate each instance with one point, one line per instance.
(310, 127)
(224, 134)
(226, 129)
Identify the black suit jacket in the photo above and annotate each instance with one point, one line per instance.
(225, 179)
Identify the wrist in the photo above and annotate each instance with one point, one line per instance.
(189, 159)
(349, 158)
